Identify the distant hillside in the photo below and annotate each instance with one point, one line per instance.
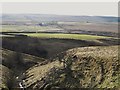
(48, 18)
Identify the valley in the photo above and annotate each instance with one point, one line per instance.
(58, 53)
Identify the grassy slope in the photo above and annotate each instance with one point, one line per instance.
(5, 77)
(38, 72)
(12, 64)
(48, 47)
(94, 67)
(67, 36)
(9, 55)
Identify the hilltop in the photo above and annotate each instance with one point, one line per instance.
(88, 67)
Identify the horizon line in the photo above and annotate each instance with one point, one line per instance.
(61, 14)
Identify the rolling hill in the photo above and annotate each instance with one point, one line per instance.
(88, 67)
(50, 17)
(13, 64)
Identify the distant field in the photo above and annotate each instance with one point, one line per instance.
(67, 26)
(67, 36)
(101, 27)
(25, 28)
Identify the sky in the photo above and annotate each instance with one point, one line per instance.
(62, 8)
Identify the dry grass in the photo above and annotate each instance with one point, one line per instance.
(5, 77)
(93, 67)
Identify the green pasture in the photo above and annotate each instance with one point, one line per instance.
(66, 36)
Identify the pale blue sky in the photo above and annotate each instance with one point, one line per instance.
(63, 8)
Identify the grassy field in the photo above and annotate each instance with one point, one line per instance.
(24, 28)
(67, 36)
(106, 27)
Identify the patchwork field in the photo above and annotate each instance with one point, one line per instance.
(26, 28)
